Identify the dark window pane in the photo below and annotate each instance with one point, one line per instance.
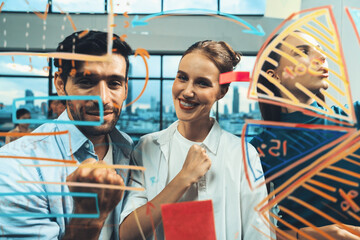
(137, 6)
(170, 66)
(138, 68)
(22, 6)
(142, 116)
(24, 65)
(79, 6)
(243, 6)
(199, 4)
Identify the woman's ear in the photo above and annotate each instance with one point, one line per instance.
(223, 91)
(59, 84)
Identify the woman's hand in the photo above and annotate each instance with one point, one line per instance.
(196, 164)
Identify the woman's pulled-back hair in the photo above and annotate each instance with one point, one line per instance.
(219, 52)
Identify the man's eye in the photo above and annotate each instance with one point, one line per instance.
(114, 84)
(304, 50)
(85, 82)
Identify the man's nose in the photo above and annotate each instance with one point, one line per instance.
(104, 92)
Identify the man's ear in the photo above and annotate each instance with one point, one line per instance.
(126, 88)
(223, 91)
(59, 84)
(272, 73)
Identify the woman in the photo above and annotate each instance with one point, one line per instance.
(194, 159)
(21, 113)
(318, 201)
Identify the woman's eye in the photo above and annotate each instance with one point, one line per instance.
(182, 77)
(203, 83)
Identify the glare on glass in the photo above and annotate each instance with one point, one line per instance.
(79, 6)
(138, 69)
(170, 66)
(11, 88)
(24, 65)
(186, 4)
(143, 116)
(251, 7)
(23, 6)
(137, 6)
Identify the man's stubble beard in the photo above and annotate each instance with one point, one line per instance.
(93, 130)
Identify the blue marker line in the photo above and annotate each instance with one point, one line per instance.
(270, 133)
(312, 137)
(258, 30)
(50, 215)
(41, 121)
(248, 159)
(294, 141)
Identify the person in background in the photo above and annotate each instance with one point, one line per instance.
(21, 113)
(310, 224)
(194, 159)
(56, 107)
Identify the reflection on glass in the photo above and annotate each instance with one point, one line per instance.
(235, 107)
(243, 6)
(22, 6)
(24, 65)
(170, 66)
(200, 4)
(11, 88)
(79, 6)
(143, 116)
(246, 64)
(137, 6)
(169, 115)
(138, 69)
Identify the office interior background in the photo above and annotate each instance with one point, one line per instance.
(171, 26)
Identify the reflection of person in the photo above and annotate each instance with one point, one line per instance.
(295, 212)
(21, 113)
(56, 107)
(194, 159)
(45, 210)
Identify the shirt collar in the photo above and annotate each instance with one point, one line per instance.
(211, 141)
(77, 138)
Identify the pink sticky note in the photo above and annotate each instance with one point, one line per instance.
(189, 220)
(229, 77)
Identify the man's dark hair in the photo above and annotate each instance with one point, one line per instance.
(92, 43)
(21, 112)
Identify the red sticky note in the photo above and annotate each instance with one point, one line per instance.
(189, 220)
(229, 77)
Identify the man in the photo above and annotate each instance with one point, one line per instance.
(50, 209)
(56, 107)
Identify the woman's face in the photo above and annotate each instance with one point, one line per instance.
(196, 87)
(302, 62)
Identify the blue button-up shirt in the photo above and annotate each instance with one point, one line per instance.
(41, 211)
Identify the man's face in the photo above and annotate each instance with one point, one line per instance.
(104, 79)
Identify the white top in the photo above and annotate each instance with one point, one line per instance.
(179, 149)
(108, 227)
(225, 183)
